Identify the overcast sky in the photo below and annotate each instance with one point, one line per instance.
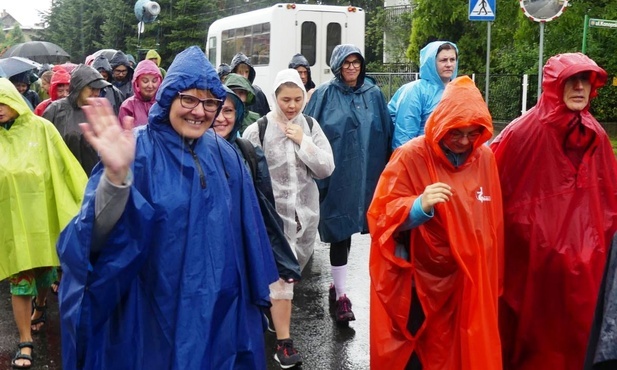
(25, 11)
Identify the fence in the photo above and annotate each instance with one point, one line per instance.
(506, 96)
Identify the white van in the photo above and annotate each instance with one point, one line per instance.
(271, 36)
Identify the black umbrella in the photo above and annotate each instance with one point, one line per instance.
(39, 51)
(15, 65)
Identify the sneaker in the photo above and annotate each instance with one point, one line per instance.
(268, 319)
(343, 311)
(286, 355)
(332, 294)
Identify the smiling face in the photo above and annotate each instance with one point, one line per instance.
(290, 100)
(224, 123)
(62, 90)
(21, 87)
(148, 84)
(576, 91)
(461, 140)
(191, 123)
(350, 69)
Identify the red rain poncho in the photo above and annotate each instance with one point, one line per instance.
(455, 256)
(559, 223)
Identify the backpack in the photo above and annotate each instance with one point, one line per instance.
(263, 122)
(249, 154)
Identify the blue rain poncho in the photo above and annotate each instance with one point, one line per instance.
(414, 102)
(358, 126)
(180, 279)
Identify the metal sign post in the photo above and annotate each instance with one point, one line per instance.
(542, 11)
(484, 10)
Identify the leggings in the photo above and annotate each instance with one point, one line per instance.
(339, 251)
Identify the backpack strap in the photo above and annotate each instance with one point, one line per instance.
(261, 124)
(249, 154)
(309, 120)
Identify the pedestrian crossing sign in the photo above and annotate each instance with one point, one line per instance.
(482, 10)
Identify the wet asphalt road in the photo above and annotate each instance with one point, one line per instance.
(323, 344)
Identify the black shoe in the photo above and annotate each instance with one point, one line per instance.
(286, 355)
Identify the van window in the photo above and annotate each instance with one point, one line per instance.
(333, 37)
(308, 40)
(253, 41)
(212, 50)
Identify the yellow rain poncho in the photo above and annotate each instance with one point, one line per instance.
(41, 188)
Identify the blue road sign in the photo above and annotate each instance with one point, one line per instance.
(482, 10)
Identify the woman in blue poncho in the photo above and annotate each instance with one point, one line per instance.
(168, 262)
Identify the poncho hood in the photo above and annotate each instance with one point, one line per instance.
(471, 110)
(239, 106)
(554, 75)
(284, 76)
(189, 70)
(236, 81)
(144, 67)
(153, 54)
(239, 59)
(339, 54)
(101, 62)
(428, 62)
(299, 60)
(11, 97)
(60, 77)
(81, 77)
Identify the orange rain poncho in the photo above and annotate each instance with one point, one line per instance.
(455, 256)
(559, 219)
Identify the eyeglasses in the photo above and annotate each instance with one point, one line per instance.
(228, 113)
(190, 102)
(355, 63)
(120, 71)
(457, 135)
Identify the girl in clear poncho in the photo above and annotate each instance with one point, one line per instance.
(296, 155)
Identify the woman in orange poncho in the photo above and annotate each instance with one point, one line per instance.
(434, 294)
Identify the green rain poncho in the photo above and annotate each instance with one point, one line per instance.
(41, 188)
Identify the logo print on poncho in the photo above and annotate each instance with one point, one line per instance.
(481, 197)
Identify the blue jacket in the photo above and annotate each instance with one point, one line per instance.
(180, 280)
(358, 126)
(413, 102)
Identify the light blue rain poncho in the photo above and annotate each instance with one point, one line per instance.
(180, 280)
(358, 126)
(413, 102)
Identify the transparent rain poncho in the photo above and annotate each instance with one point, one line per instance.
(293, 169)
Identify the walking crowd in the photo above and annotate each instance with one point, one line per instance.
(173, 212)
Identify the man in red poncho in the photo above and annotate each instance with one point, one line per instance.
(559, 183)
(437, 239)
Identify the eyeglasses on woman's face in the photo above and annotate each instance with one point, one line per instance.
(356, 63)
(458, 135)
(190, 102)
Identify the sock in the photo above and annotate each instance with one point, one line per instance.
(339, 274)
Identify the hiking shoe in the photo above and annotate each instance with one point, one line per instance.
(343, 312)
(268, 319)
(332, 294)
(286, 355)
